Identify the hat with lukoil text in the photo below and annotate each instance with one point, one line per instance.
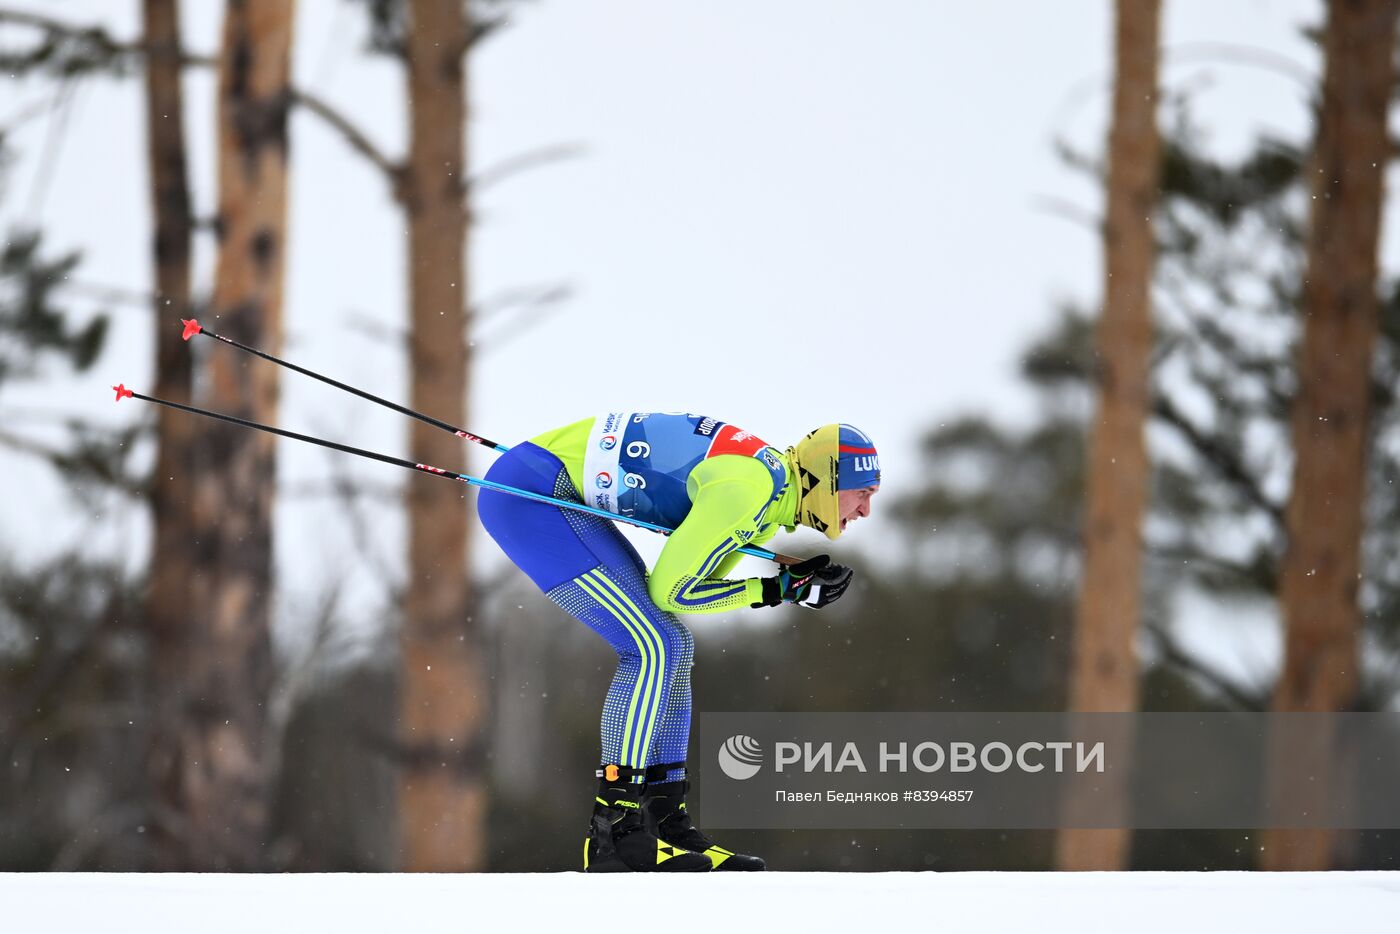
(859, 461)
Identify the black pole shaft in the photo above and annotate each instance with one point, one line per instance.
(428, 469)
(405, 410)
(333, 445)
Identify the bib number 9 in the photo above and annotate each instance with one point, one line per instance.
(634, 481)
(638, 449)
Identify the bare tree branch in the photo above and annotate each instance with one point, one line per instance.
(1174, 655)
(533, 310)
(357, 139)
(118, 295)
(348, 493)
(1230, 53)
(94, 34)
(372, 329)
(84, 458)
(105, 42)
(319, 489)
(99, 37)
(1067, 210)
(1219, 457)
(523, 162)
(1247, 575)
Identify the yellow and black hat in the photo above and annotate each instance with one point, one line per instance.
(826, 460)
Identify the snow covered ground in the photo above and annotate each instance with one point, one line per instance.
(1086, 903)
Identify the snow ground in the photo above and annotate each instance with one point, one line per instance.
(1084, 903)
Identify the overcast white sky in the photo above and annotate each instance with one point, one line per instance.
(786, 213)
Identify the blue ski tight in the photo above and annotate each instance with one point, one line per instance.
(584, 565)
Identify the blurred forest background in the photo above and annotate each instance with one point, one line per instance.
(1220, 420)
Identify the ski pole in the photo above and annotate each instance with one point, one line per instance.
(124, 393)
(193, 327)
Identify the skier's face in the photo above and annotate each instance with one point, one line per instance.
(855, 504)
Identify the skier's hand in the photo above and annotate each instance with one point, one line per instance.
(826, 586)
(813, 583)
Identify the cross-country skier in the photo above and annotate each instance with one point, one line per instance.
(720, 488)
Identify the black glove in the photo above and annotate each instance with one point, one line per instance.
(827, 586)
(814, 583)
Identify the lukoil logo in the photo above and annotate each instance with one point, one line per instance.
(740, 757)
(607, 442)
(866, 464)
(603, 480)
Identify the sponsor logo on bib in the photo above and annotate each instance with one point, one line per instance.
(603, 481)
(607, 442)
(732, 440)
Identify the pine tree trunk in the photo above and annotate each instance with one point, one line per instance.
(1105, 665)
(172, 480)
(442, 792)
(1322, 568)
(216, 669)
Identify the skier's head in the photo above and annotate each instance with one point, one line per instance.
(837, 470)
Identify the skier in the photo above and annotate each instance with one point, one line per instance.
(720, 488)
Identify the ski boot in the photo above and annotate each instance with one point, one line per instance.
(664, 814)
(617, 839)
